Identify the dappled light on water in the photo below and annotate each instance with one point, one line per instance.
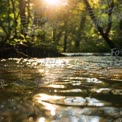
(71, 89)
(69, 101)
(42, 119)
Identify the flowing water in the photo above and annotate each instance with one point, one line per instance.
(70, 89)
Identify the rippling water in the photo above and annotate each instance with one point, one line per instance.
(71, 89)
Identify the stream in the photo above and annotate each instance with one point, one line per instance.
(65, 89)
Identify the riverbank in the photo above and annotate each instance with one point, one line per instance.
(26, 51)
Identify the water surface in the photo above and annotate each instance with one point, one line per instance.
(71, 89)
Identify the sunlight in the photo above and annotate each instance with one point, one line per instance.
(56, 2)
(52, 2)
(42, 119)
(46, 97)
(40, 98)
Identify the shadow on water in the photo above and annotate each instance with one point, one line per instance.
(71, 89)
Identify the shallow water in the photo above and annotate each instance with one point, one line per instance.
(71, 89)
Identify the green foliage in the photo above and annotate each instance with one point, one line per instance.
(67, 27)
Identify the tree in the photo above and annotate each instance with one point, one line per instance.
(104, 34)
(80, 30)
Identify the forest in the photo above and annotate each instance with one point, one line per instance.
(61, 61)
(39, 28)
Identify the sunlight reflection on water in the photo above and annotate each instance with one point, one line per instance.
(71, 89)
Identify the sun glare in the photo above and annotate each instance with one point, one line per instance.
(52, 2)
(55, 2)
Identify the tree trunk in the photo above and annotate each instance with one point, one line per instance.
(65, 41)
(22, 12)
(80, 30)
(105, 35)
(120, 25)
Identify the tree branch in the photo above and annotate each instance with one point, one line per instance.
(4, 29)
(93, 17)
(21, 53)
(111, 6)
(99, 28)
